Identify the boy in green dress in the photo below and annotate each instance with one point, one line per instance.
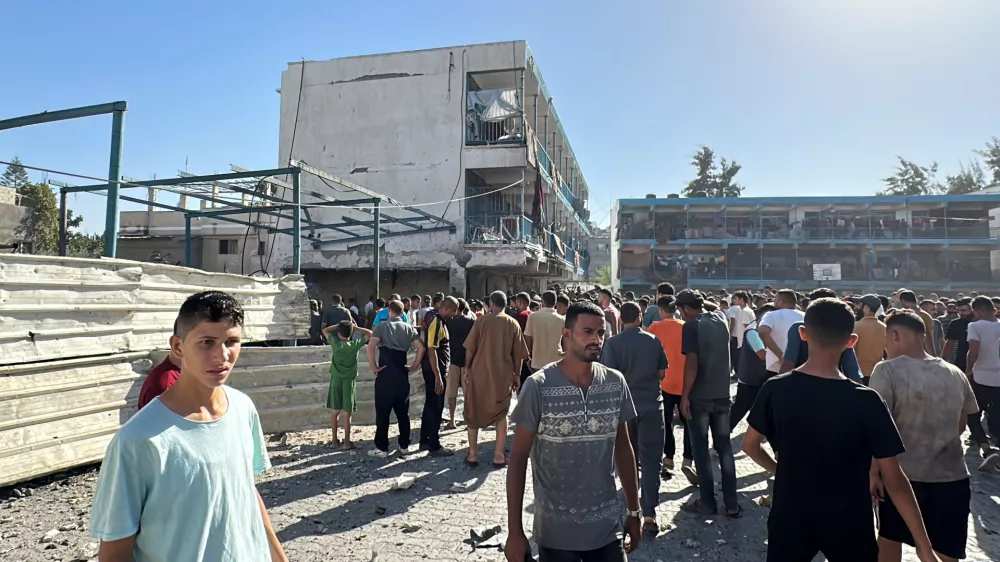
(343, 375)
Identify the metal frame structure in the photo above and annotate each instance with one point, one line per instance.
(117, 109)
(296, 210)
(188, 186)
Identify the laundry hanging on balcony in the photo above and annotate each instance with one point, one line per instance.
(495, 105)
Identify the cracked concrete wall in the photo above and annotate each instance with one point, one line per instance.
(395, 124)
(10, 217)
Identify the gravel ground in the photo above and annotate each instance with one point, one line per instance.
(334, 505)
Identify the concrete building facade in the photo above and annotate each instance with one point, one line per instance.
(933, 243)
(10, 218)
(468, 134)
(216, 246)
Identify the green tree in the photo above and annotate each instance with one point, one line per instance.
(967, 180)
(84, 245)
(713, 180)
(15, 175)
(991, 154)
(40, 223)
(603, 275)
(912, 179)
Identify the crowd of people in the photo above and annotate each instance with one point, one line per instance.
(862, 400)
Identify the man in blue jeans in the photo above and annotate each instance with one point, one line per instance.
(705, 400)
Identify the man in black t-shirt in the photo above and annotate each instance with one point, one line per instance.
(822, 499)
(956, 345)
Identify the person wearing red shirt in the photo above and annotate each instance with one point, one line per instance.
(159, 379)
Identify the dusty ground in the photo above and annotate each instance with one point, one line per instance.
(334, 505)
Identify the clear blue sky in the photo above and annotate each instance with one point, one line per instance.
(811, 97)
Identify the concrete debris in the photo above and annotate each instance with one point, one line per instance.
(405, 480)
(49, 536)
(464, 486)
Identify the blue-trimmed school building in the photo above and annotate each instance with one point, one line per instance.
(935, 242)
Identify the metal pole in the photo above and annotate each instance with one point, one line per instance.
(63, 222)
(296, 223)
(376, 239)
(114, 175)
(187, 240)
(520, 220)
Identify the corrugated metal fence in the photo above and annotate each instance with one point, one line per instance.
(75, 342)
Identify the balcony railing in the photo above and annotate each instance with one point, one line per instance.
(741, 264)
(565, 194)
(494, 117)
(519, 229)
(767, 228)
(498, 229)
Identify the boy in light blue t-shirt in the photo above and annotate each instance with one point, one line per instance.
(177, 481)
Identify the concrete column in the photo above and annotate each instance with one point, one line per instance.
(456, 280)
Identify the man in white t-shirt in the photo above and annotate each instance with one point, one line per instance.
(740, 316)
(983, 367)
(774, 327)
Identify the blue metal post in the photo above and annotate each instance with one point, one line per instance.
(376, 240)
(114, 176)
(187, 240)
(296, 223)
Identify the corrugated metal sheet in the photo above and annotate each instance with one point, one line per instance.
(60, 414)
(75, 342)
(289, 386)
(53, 308)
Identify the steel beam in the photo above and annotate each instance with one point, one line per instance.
(187, 241)
(62, 115)
(383, 235)
(358, 188)
(111, 217)
(296, 224)
(195, 179)
(376, 259)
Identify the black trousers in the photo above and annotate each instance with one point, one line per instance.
(671, 401)
(988, 398)
(392, 396)
(745, 396)
(430, 420)
(612, 552)
(734, 354)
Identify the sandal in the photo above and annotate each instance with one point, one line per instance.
(499, 465)
(650, 526)
(737, 515)
(697, 508)
(470, 464)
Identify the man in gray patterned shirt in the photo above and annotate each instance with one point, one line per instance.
(571, 418)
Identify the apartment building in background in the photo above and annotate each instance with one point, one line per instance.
(471, 135)
(225, 247)
(10, 217)
(855, 244)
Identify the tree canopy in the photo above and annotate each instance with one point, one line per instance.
(40, 224)
(15, 175)
(713, 180)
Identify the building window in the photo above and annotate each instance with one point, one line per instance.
(228, 247)
(261, 248)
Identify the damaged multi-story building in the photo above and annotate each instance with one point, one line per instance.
(468, 134)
